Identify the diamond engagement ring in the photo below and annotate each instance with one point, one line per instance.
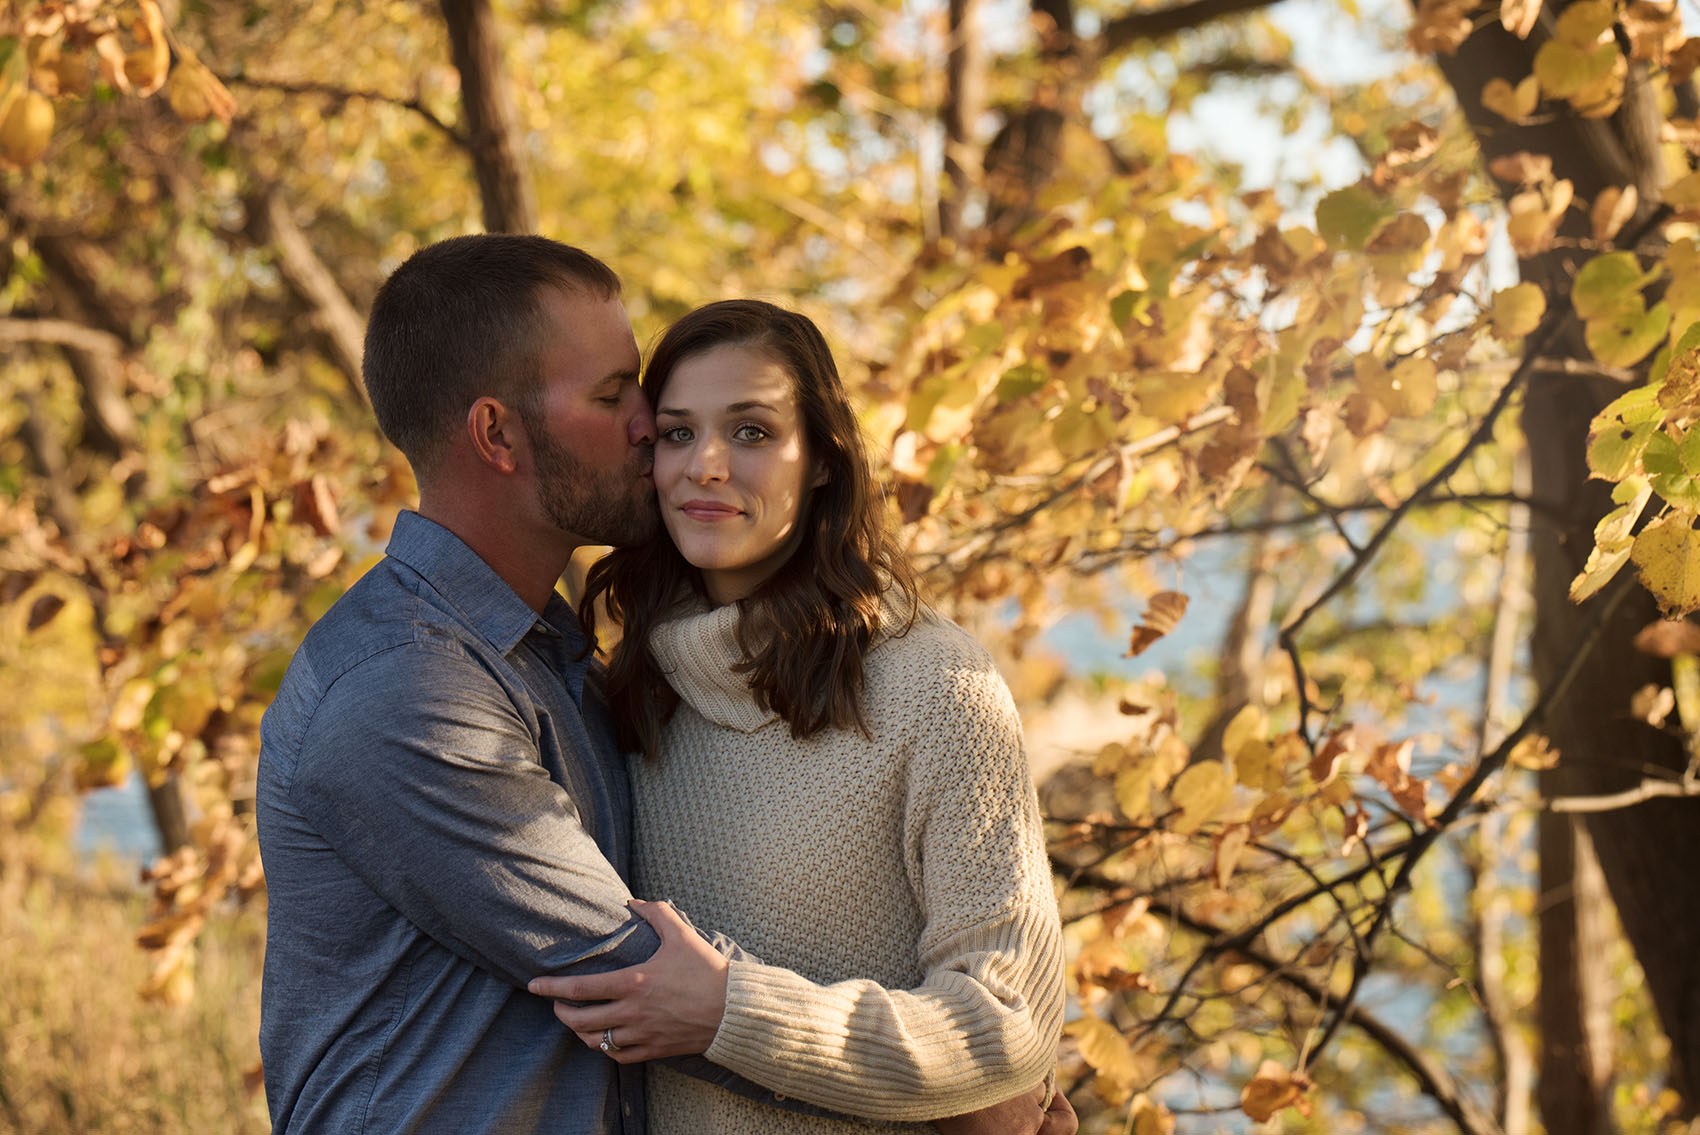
(608, 1044)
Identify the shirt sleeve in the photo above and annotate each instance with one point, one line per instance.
(420, 772)
(984, 1023)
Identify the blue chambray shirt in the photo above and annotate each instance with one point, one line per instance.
(443, 815)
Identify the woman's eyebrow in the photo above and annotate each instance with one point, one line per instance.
(734, 408)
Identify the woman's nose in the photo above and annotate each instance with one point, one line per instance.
(708, 462)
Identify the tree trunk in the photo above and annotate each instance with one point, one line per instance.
(1649, 854)
(1576, 986)
(964, 100)
(498, 153)
(1492, 905)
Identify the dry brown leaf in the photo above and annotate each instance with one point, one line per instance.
(1273, 1088)
(1652, 703)
(1162, 612)
(1522, 168)
(1668, 638)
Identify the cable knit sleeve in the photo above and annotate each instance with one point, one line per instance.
(984, 1023)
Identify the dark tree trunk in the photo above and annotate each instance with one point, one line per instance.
(498, 156)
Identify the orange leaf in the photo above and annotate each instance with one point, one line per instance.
(1272, 1089)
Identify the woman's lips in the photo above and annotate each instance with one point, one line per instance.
(708, 510)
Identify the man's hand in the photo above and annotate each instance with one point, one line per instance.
(1025, 1114)
(670, 1005)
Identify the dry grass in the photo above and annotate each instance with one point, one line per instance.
(81, 1052)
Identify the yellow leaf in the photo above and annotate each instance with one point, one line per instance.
(1106, 1050)
(1514, 104)
(1148, 770)
(1534, 218)
(1533, 752)
(1249, 724)
(1612, 210)
(27, 129)
(1200, 793)
(195, 93)
(1148, 1118)
(1518, 310)
(1414, 387)
(131, 702)
(1228, 851)
(1519, 16)
(1255, 766)
(1667, 558)
(1684, 193)
(1586, 22)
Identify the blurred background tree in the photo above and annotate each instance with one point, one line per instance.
(1347, 347)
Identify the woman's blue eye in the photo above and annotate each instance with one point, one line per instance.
(749, 432)
(676, 434)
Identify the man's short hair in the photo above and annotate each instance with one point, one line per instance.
(459, 320)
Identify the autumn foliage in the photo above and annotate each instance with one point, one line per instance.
(1120, 363)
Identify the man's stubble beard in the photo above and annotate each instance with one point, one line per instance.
(605, 506)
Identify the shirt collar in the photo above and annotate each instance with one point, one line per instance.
(483, 599)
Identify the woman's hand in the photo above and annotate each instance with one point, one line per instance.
(670, 1005)
(1026, 1114)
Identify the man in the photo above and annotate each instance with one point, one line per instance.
(442, 811)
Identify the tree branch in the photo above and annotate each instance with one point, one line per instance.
(1142, 27)
(309, 278)
(1628, 798)
(333, 91)
(60, 332)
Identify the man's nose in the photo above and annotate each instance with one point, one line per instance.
(641, 429)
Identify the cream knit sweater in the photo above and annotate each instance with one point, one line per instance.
(897, 889)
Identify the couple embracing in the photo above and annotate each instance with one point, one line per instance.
(825, 778)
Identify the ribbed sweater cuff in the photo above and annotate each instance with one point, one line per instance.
(982, 1029)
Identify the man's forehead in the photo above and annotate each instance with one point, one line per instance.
(589, 321)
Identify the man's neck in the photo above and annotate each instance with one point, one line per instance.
(528, 561)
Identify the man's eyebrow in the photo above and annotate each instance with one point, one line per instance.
(618, 377)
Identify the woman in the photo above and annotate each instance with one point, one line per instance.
(832, 775)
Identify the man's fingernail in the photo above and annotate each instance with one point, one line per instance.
(531, 987)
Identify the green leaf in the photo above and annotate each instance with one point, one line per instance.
(1660, 458)
(1123, 306)
(1625, 339)
(1350, 216)
(1019, 381)
(1609, 285)
(1679, 379)
(1620, 432)
(1689, 451)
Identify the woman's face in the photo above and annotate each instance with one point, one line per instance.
(731, 469)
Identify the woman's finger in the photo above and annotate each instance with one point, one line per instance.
(666, 919)
(625, 1054)
(591, 1018)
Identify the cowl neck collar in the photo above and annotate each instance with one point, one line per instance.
(696, 650)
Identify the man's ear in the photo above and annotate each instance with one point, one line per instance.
(497, 436)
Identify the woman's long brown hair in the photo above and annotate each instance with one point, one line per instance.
(805, 632)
